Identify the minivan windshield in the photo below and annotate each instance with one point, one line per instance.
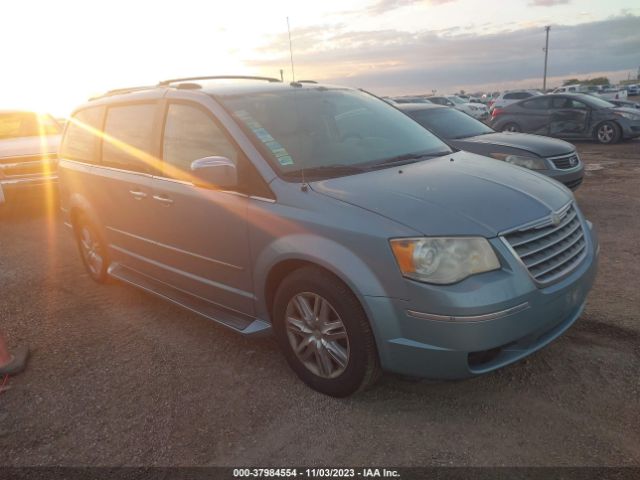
(330, 132)
(449, 123)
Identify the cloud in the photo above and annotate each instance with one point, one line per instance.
(547, 3)
(384, 6)
(393, 61)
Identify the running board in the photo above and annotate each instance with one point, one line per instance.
(236, 321)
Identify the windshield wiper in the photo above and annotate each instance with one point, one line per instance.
(328, 170)
(407, 158)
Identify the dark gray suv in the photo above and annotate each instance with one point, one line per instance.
(327, 215)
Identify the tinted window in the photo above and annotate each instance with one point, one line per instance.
(517, 96)
(537, 104)
(80, 138)
(564, 102)
(129, 143)
(333, 131)
(190, 134)
(449, 123)
(26, 124)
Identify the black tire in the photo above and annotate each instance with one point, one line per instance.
(511, 127)
(90, 241)
(362, 366)
(607, 133)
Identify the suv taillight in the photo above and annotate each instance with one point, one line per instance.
(496, 111)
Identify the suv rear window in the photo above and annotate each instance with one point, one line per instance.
(129, 141)
(26, 124)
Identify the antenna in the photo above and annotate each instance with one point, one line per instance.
(304, 186)
(293, 74)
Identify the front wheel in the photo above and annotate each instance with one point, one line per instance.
(608, 133)
(324, 333)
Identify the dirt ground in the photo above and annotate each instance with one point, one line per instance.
(118, 377)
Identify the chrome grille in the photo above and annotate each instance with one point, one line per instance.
(551, 251)
(566, 161)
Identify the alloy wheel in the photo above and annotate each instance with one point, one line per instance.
(317, 335)
(91, 250)
(606, 133)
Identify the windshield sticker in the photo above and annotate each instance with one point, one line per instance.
(265, 137)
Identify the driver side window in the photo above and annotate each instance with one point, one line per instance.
(190, 134)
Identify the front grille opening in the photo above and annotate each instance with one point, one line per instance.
(565, 163)
(552, 251)
(478, 359)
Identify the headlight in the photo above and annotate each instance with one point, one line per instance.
(443, 260)
(532, 163)
(630, 116)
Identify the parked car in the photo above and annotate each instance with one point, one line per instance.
(476, 110)
(633, 90)
(469, 98)
(512, 96)
(572, 116)
(605, 92)
(414, 99)
(329, 216)
(549, 156)
(28, 153)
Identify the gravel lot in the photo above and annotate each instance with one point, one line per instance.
(118, 377)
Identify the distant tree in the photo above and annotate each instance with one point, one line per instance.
(571, 81)
(461, 92)
(597, 81)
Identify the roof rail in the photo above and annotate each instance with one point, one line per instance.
(307, 81)
(119, 91)
(164, 83)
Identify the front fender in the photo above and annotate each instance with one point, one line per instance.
(332, 256)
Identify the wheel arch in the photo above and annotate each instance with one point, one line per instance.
(272, 266)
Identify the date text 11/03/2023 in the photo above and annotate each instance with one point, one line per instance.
(315, 472)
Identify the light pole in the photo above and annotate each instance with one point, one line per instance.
(546, 56)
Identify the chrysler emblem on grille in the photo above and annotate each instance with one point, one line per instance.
(556, 218)
(573, 161)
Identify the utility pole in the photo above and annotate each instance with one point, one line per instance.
(546, 56)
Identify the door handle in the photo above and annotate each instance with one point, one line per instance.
(138, 195)
(162, 199)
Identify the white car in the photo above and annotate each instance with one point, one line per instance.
(512, 96)
(476, 110)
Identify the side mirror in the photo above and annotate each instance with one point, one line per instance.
(220, 172)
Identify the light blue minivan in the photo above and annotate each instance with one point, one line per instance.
(328, 216)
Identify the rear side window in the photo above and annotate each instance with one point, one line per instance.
(190, 134)
(129, 140)
(537, 104)
(80, 138)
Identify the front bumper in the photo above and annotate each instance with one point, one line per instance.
(13, 188)
(502, 317)
(630, 128)
(571, 178)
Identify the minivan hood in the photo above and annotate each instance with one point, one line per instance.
(459, 194)
(17, 147)
(542, 146)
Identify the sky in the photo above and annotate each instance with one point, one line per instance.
(56, 54)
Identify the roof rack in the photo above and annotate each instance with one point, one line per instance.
(307, 81)
(164, 83)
